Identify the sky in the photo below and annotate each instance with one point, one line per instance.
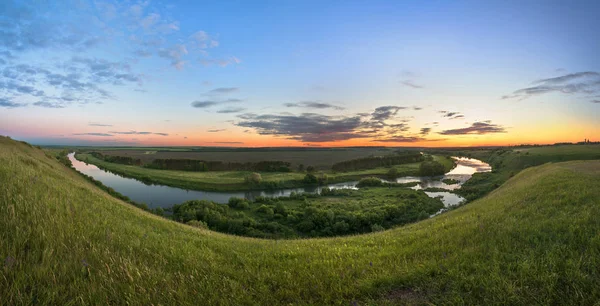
(300, 73)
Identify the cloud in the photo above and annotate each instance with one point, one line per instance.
(308, 127)
(204, 104)
(93, 134)
(47, 104)
(383, 113)
(314, 104)
(174, 54)
(8, 103)
(138, 133)
(224, 62)
(451, 115)
(410, 84)
(202, 40)
(477, 128)
(401, 139)
(425, 131)
(98, 124)
(595, 101)
(222, 91)
(216, 130)
(231, 110)
(417, 108)
(209, 103)
(587, 82)
(161, 134)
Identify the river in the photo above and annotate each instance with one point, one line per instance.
(165, 196)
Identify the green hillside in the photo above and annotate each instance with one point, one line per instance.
(63, 241)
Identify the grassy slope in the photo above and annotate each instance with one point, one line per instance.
(535, 240)
(234, 180)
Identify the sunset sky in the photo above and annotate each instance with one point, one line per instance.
(300, 73)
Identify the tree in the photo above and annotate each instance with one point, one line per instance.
(310, 178)
(431, 168)
(253, 178)
(301, 168)
(392, 173)
(310, 169)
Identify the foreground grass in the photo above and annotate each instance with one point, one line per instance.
(234, 180)
(535, 240)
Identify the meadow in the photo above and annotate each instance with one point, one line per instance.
(534, 240)
(320, 158)
(235, 180)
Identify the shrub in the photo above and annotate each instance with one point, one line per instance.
(310, 178)
(431, 168)
(254, 178)
(369, 182)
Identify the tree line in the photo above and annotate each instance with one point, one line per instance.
(377, 161)
(198, 165)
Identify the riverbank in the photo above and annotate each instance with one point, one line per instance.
(222, 181)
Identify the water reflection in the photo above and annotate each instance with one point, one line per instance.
(164, 196)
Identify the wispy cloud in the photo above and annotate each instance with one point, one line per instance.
(425, 131)
(477, 128)
(138, 133)
(587, 82)
(411, 84)
(222, 91)
(216, 130)
(209, 103)
(314, 104)
(231, 110)
(93, 134)
(5, 102)
(451, 115)
(98, 124)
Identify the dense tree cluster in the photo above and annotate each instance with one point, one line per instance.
(305, 215)
(431, 168)
(202, 165)
(377, 161)
(125, 160)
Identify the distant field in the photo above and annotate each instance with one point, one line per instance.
(234, 180)
(320, 159)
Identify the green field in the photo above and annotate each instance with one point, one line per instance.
(534, 240)
(321, 159)
(234, 180)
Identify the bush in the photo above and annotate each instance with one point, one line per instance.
(253, 179)
(431, 168)
(198, 224)
(310, 178)
(392, 173)
(369, 182)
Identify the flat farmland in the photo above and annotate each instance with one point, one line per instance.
(320, 159)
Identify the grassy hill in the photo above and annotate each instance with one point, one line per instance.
(534, 240)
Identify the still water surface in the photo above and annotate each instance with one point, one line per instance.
(164, 196)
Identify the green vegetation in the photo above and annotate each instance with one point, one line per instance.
(236, 180)
(450, 181)
(318, 158)
(333, 213)
(506, 163)
(377, 161)
(431, 168)
(64, 241)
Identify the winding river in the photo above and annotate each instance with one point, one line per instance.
(165, 196)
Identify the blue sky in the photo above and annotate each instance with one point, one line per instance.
(251, 73)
